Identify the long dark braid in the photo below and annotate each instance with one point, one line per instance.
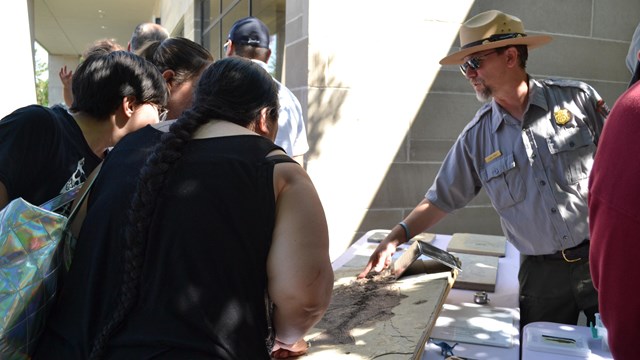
(232, 89)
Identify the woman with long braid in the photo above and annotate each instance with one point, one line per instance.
(225, 239)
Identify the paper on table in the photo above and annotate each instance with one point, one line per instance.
(478, 244)
(475, 324)
(379, 235)
(479, 272)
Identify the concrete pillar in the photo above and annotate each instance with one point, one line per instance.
(56, 62)
(18, 89)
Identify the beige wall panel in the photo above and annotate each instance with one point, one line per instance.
(625, 15)
(380, 219)
(382, 112)
(378, 95)
(173, 12)
(296, 74)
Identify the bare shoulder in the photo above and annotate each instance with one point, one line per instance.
(289, 176)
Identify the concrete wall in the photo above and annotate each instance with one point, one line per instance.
(382, 113)
(56, 62)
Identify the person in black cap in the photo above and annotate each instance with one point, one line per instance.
(249, 38)
(531, 147)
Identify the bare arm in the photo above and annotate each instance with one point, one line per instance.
(299, 269)
(4, 197)
(422, 217)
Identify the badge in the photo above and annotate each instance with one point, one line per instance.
(562, 116)
(493, 156)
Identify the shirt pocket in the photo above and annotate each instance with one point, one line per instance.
(573, 149)
(503, 182)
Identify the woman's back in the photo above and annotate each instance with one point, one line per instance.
(180, 266)
(215, 213)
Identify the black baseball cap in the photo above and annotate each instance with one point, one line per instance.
(250, 31)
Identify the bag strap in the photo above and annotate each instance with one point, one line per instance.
(62, 199)
(84, 192)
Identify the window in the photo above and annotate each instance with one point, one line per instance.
(214, 18)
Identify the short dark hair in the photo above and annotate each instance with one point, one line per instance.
(251, 52)
(103, 79)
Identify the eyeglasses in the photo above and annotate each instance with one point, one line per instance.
(474, 63)
(162, 111)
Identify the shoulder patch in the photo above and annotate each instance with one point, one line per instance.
(571, 83)
(588, 89)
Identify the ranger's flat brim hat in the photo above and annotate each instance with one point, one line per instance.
(489, 30)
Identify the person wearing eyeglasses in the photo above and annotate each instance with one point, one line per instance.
(531, 147)
(47, 151)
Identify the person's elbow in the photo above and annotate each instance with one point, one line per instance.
(313, 299)
(318, 296)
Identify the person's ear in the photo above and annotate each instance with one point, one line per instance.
(268, 55)
(125, 110)
(168, 76)
(512, 56)
(638, 55)
(265, 126)
(229, 49)
(128, 105)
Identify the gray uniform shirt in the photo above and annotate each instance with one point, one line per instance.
(535, 172)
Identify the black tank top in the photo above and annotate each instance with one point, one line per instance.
(204, 277)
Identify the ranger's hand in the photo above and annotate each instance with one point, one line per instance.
(381, 257)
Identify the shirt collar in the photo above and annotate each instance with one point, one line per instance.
(536, 98)
(261, 63)
(536, 95)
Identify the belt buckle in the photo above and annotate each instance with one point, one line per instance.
(569, 260)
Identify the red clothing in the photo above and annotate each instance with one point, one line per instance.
(614, 221)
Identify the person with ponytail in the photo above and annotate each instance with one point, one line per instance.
(205, 241)
(181, 62)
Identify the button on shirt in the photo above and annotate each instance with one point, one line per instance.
(535, 172)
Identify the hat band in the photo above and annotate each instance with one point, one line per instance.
(494, 38)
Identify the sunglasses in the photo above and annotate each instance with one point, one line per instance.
(474, 63)
(162, 113)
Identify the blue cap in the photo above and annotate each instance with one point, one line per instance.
(250, 31)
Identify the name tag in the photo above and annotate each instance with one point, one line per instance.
(493, 156)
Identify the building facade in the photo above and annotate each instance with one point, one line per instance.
(381, 113)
